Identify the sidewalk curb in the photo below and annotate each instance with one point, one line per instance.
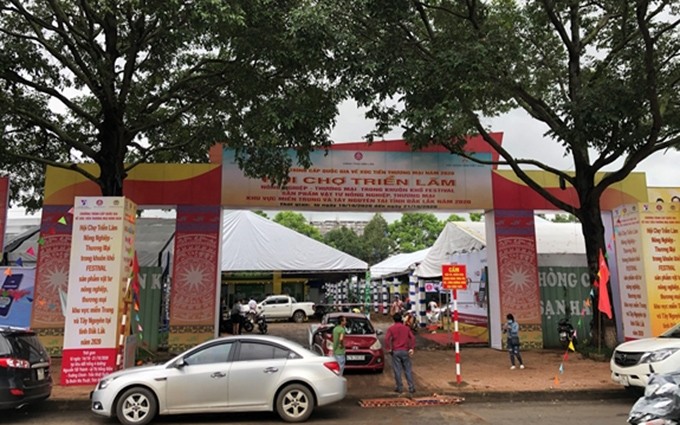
(469, 396)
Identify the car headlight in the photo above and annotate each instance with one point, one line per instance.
(658, 355)
(376, 345)
(104, 383)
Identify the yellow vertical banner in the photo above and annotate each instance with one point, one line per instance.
(660, 234)
(100, 263)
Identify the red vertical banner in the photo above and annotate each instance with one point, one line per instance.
(51, 282)
(518, 271)
(4, 198)
(193, 298)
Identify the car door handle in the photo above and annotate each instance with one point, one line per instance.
(218, 375)
(271, 370)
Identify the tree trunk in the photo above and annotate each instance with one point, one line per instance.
(111, 158)
(593, 234)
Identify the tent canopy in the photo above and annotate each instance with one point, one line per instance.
(251, 243)
(398, 264)
(464, 236)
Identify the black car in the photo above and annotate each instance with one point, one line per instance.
(24, 368)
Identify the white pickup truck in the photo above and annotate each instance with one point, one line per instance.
(278, 307)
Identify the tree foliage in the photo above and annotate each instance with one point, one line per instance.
(347, 241)
(476, 216)
(377, 241)
(415, 231)
(298, 222)
(120, 82)
(602, 76)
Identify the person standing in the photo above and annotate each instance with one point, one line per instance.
(236, 318)
(400, 343)
(511, 327)
(339, 332)
(397, 306)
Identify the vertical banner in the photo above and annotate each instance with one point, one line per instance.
(193, 300)
(4, 198)
(518, 272)
(648, 253)
(631, 267)
(660, 234)
(100, 265)
(51, 279)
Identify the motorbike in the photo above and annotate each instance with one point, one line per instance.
(660, 404)
(411, 320)
(261, 323)
(566, 332)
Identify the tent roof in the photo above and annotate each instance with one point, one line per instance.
(398, 264)
(251, 242)
(465, 236)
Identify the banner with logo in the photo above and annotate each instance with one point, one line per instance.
(100, 266)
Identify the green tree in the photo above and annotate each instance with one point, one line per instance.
(602, 76)
(476, 216)
(454, 217)
(347, 241)
(564, 218)
(298, 222)
(415, 231)
(120, 82)
(377, 240)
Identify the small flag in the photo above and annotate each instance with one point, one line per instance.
(587, 302)
(20, 262)
(62, 220)
(557, 381)
(566, 356)
(603, 303)
(8, 272)
(30, 251)
(561, 368)
(52, 231)
(571, 346)
(70, 211)
(139, 327)
(41, 241)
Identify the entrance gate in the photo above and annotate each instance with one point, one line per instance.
(383, 176)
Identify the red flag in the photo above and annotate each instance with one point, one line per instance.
(603, 303)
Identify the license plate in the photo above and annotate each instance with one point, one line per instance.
(355, 357)
(41, 374)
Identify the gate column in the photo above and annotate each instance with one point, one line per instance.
(195, 276)
(513, 275)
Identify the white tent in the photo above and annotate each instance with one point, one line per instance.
(251, 242)
(464, 236)
(398, 264)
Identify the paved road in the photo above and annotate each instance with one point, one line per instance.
(609, 412)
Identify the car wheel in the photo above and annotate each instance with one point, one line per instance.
(295, 403)
(299, 316)
(136, 406)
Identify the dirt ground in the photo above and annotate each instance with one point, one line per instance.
(482, 370)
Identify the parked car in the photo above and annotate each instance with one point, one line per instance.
(285, 307)
(363, 348)
(231, 374)
(24, 368)
(634, 361)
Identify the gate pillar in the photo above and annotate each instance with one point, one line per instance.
(513, 275)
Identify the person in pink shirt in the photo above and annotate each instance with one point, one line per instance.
(400, 343)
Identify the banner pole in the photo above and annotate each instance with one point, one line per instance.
(456, 335)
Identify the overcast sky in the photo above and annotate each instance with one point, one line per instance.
(523, 138)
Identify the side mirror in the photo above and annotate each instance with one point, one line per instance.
(179, 364)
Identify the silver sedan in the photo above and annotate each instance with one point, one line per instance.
(233, 374)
